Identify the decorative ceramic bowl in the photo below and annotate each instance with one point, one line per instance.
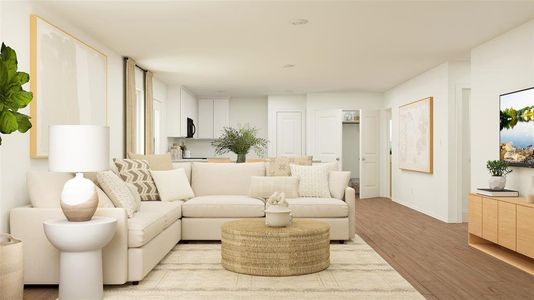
(278, 216)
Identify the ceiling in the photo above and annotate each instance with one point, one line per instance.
(241, 48)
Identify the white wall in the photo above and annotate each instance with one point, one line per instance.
(502, 65)
(286, 103)
(15, 157)
(429, 193)
(249, 111)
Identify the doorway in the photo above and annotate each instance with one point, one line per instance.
(351, 147)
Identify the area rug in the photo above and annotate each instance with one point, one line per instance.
(193, 271)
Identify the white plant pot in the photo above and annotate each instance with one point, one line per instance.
(497, 183)
(278, 216)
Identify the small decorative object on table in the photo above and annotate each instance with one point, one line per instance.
(240, 141)
(277, 213)
(498, 170)
(11, 270)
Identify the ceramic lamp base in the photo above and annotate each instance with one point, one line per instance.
(79, 199)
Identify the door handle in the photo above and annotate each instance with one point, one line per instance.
(363, 159)
(337, 158)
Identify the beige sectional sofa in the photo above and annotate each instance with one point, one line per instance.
(221, 195)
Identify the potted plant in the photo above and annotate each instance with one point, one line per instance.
(498, 170)
(239, 141)
(12, 96)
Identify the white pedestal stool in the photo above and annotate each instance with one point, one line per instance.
(80, 245)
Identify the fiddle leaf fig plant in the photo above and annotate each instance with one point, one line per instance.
(12, 96)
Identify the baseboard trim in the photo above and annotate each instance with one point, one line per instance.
(430, 214)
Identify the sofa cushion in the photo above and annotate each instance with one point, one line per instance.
(313, 180)
(318, 208)
(151, 219)
(337, 182)
(172, 185)
(225, 206)
(158, 162)
(138, 172)
(119, 192)
(265, 186)
(184, 165)
(279, 166)
(224, 178)
(44, 188)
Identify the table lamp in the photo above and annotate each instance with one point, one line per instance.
(77, 149)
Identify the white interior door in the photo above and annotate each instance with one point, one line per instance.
(369, 144)
(327, 136)
(288, 133)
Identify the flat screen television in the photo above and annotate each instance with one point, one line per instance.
(517, 128)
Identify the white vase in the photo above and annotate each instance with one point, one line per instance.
(497, 183)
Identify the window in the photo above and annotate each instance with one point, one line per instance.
(140, 122)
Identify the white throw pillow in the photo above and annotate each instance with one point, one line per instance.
(118, 191)
(172, 185)
(313, 180)
(265, 186)
(337, 182)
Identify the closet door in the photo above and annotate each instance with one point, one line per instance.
(369, 133)
(327, 139)
(288, 133)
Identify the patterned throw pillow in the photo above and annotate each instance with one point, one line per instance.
(279, 166)
(313, 180)
(137, 172)
(119, 193)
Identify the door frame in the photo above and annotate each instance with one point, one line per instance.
(459, 191)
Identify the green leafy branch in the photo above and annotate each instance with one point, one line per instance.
(240, 141)
(498, 167)
(12, 96)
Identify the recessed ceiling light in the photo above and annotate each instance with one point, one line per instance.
(288, 66)
(297, 22)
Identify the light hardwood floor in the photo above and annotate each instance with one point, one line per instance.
(433, 256)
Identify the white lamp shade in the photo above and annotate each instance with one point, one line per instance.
(78, 148)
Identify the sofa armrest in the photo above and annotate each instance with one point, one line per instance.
(350, 198)
(41, 259)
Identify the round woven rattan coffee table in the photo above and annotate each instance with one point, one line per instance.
(250, 247)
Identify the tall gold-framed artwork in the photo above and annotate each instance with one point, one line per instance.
(416, 138)
(68, 81)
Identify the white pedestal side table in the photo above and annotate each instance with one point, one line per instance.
(80, 264)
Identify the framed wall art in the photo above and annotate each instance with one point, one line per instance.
(68, 81)
(416, 136)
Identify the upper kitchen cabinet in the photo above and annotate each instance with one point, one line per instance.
(181, 104)
(213, 116)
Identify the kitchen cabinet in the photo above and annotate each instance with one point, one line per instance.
(213, 116)
(180, 105)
